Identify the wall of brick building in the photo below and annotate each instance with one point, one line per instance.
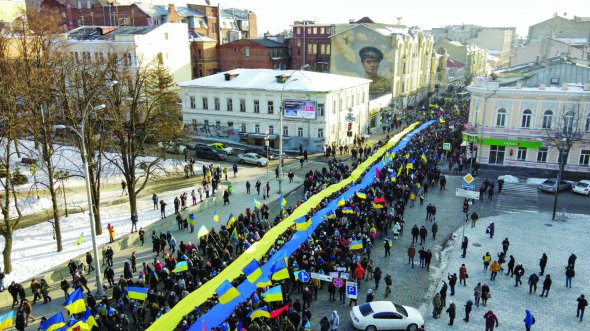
(233, 56)
(314, 58)
(203, 58)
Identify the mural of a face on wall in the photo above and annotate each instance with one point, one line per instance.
(364, 53)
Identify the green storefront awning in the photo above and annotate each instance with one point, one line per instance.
(502, 142)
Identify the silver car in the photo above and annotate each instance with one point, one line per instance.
(549, 186)
(252, 158)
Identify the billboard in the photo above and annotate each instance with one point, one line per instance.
(364, 53)
(300, 109)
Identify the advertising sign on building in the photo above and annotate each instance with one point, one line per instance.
(300, 109)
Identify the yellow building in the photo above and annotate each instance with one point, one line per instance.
(473, 57)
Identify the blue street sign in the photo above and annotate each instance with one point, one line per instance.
(468, 187)
(351, 291)
(303, 276)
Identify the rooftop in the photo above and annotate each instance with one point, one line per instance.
(107, 32)
(265, 79)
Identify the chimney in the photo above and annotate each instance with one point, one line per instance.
(229, 76)
(542, 86)
(564, 86)
(351, 21)
(587, 87)
(173, 16)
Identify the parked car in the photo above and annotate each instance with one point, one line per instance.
(256, 150)
(208, 152)
(252, 158)
(582, 187)
(173, 147)
(385, 315)
(223, 148)
(549, 186)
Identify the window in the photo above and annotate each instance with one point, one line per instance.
(542, 155)
(217, 106)
(526, 119)
(271, 107)
(321, 109)
(256, 106)
(587, 125)
(193, 103)
(79, 4)
(521, 154)
(247, 51)
(547, 119)
(271, 129)
(230, 105)
(501, 117)
(320, 133)
(585, 157)
(334, 107)
(242, 105)
(299, 132)
(256, 128)
(243, 127)
(568, 121)
(497, 154)
(165, 35)
(88, 4)
(205, 103)
(285, 131)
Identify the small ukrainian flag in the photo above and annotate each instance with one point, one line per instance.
(356, 244)
(79, 241)
(215, 216)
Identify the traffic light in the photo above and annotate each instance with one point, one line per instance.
(349, 126)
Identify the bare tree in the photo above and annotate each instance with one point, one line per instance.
(143, 109)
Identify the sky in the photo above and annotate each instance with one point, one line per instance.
(277, 15)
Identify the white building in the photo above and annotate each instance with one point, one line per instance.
(167, 43)
(250, 101)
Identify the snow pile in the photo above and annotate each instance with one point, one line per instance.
(509, 179)
(535, 181)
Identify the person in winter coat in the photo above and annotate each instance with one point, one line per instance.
(324, 324)
(582, 303)
(519, 272)
(377, 277)
(543, 264)
(468, 307)
(451, 312)
(494, 268)
(477, 293)
(411, 254)
(45, 291)
(485, 294)
(533, 280)
(569, 274)
(359, 272)
(491, 320)
(511, 264)
(463, 275)
(13, 290)
(334, 320)
(111, 229)
(452, 282)
(19, 321)
(486, 261)
(546, 285)
(443, 294)
(464, 245)
(437, 304)
(529, 320)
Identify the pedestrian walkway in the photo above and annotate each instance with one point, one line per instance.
(516, 198)
(530, 235)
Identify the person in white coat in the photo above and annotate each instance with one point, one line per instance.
(334, 320)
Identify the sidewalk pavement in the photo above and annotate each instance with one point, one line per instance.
(123, 247)
(530, 235)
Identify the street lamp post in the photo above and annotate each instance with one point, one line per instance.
(287, 81)
(80, 133)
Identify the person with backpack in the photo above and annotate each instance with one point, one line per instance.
(529, 320)
(491, 320)
(582, 303)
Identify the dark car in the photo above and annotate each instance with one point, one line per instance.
(208, 152)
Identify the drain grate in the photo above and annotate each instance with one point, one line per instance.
(476, 244)
(548, 224)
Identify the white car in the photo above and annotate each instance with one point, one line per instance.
(252, 158)
(223, 148)
(582, 187)
(385, 315)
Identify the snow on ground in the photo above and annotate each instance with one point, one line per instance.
(509, 179)
(530, 236)
(34, 249)
(535, 181)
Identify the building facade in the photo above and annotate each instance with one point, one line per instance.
(472, 57)
(497, 41)
(560, 27)
(166, 43)
(250, 101)
(310, 44)
(253, 54)
(510, 125)
(547, 48)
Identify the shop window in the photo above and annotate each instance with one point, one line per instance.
(585, 157)
(521, 154)
(542, 155)
(497, 154)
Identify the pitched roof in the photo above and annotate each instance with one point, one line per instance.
(265, 79)
(268, 43)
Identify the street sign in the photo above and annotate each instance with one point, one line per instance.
(303, 276)
(351, 291)
(350, 118)
(467, 194)
(325, 278)
(333, 274)
(468, 187)
(468, 178)
(337, 282)
(344, 275)
(447, 146)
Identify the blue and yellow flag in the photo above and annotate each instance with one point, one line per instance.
(347, 210)
(341, 203)
(137, 293)
(361, 195)
(356, 244)
(180, 267)
(399, 171)
(264, 282)
(89, 319)
(75, 302)
(257, 204)
(6, 320)
(307, 326)
(231, 220)
(260, 312)
(302, 223)
(226, 292)
(273, 294)
(79, 241)
(53, 323)
(202, 231)
(252, 271)
(280, 269)
(441, 120)
(282, 201)
(191, 219)
(424, 158)
(234, 235)
(215, 216)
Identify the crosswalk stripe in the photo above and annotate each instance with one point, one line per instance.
(517, 198)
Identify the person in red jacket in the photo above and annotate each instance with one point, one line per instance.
(491, 320)
(359, 273)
